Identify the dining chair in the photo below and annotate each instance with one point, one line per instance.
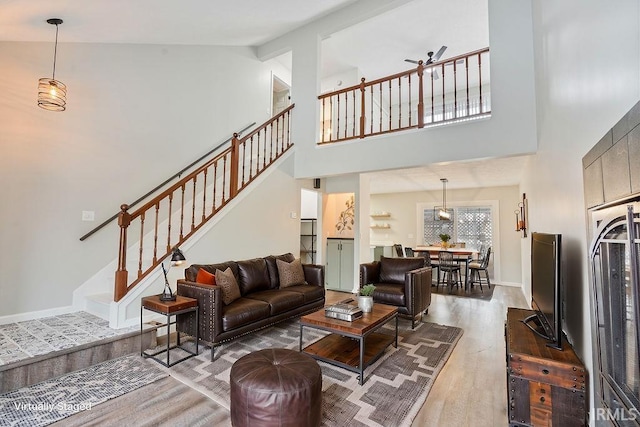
(477, 266)
(409, 252)
(449, 268)
(433, 264)
(398, 249)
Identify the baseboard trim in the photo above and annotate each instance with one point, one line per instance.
(512, 284)
(31, 315)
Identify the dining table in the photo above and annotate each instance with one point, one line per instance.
(460, 255)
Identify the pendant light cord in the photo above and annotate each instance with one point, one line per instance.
(444, 194)
(55, 54)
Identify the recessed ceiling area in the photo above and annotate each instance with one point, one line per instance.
(472, 174)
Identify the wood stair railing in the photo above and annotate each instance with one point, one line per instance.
(174, 215)
(454, 89)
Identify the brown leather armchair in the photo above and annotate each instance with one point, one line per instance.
(401, 282)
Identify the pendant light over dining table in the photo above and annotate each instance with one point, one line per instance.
(52, 94)
(443, 213)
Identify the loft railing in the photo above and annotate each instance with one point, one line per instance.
(174, 215)
(455, 89)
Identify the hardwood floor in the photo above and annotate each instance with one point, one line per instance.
(471, 389)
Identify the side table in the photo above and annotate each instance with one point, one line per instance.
(169, 308)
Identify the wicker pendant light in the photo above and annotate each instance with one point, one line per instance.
(52, 94)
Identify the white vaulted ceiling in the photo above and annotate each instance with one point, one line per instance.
(191, 22)
(376, 47)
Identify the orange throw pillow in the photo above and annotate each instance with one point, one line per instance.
(205, 278)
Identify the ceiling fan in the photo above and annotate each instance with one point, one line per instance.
(431, 58)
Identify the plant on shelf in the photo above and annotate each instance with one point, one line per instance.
(365, 298)
(445, 239)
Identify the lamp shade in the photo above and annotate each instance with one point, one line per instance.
(177, 257)
(52, 94)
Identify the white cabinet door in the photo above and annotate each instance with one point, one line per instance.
(346, 266)
(339, 267)
(332, 268)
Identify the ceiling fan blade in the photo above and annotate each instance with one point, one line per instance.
(439, 53)
(411, 60)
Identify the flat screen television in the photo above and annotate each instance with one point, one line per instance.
(546, 287)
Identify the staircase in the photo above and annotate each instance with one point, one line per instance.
(179, 216)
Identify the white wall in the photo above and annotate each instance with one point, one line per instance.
(404, 220)
(588, 76)
(260, 225)
(308, 204)
(136, 114)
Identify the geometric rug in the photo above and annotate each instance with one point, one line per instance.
(484, 294)
(396, 385)
(46, 402)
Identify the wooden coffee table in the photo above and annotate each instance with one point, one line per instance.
(351, 345)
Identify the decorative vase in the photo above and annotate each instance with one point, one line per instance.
(365, 303)
(445, 245)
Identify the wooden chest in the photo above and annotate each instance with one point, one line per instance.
(545, 386)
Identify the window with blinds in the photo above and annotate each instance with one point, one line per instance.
(472, 225)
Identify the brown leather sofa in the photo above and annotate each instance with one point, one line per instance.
(262, 302)
(401, 282)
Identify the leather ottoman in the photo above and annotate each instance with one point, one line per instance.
(276, 387)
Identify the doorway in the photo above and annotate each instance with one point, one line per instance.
(281, 97)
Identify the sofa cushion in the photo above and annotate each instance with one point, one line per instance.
(191, 273)
(279, 300)
(274, 277)
(392, 270)
(205, 278)
(310, 293)
(253, 276)
(290, 273)
(243, 311)
(228, 286)
(389, 293)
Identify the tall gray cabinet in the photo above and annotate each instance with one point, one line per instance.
(340, 264)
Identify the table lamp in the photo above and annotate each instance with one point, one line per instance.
(177, 258)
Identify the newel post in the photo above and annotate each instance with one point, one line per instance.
(124, 219)
(420, 95)
(235, 161)
(362, 108)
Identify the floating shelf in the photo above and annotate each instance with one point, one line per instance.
(381, 215)
(380, 226)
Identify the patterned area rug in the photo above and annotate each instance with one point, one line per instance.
(396, 385)
(44, 403)
(484, 294)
